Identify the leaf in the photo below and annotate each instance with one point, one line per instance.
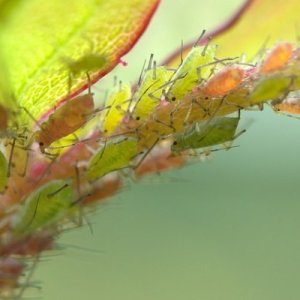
(38, 41)
(256, 25)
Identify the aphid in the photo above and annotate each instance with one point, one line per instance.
(272, 87)
(149, 93)
(116, 154)
(3, 172)
(277, 58)
(43, 207)
(289, 106)
(65, 120)
(200, 135)
(118, 101)
(195, 67)
(85, 64)
(224, 81)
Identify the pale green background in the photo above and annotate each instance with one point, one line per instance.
(223, 229)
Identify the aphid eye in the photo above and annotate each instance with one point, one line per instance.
(175, 143)
(137, 118)
(206, 98)
(41, 144)
(173, 98)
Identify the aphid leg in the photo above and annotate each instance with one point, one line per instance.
(81, 215)
(170, 82)
(89, 82)
(209, 38)
(145, 154)
(205, 110)
(52, 161)
(59, 190)
(11, 156)
(27, 282)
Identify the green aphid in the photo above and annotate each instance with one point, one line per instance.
(149, 93)
(116, 154)
(270, 88)
(206, 134)
(44, 207)
(86, 63)
(3, 172)
(118, 101)
(190, 73)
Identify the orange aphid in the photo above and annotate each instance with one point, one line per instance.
(3, 118)
(224, 81)
(65, 120)
(290, 105)
(277, 58)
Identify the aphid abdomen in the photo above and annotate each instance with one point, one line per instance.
(116, 154)
(206, 134)
(118, 101)
(277, 58)
(65, 120)
(43, 207)
(148, 94)
(187, 75)
(223, 82)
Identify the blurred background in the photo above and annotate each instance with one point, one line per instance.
(227, 228)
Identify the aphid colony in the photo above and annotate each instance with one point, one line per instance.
(178, 113)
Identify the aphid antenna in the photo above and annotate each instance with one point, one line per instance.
(239, 134)
(115, 80)
(99, 109)
(95, 251)
(209, 151)
(31, 116)
(77, 175)
(198, 41)
(89, 82)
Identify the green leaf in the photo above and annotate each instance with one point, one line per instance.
(39, 40)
